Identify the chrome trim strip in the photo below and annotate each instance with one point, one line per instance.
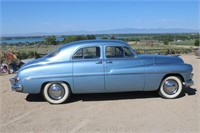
(166, 72)
(87, 75)
(108, 74)
(49, 76)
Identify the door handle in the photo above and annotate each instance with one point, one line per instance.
(99, 62)
(109, 62)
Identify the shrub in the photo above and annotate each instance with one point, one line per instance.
(31, 54)
(50, 40)
(22, 55)
(196, 43)
(69, 39)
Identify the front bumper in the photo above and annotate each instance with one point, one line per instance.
(15, 87)
(188, 83)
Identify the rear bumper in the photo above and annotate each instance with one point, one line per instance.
(15, 87)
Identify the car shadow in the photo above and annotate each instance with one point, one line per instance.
(113, 96)
(188, 91)
(35, 98)
(110, 96)
(99, 96)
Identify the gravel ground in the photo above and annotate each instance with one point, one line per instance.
(102, 113)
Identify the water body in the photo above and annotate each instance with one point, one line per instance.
(25, 40)
(40, 39)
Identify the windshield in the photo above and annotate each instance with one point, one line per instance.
(53, 53)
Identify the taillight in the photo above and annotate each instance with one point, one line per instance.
(17, 79)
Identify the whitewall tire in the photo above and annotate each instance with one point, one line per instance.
(56, 92)
(171, 87)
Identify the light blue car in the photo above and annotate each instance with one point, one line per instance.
(101, 66)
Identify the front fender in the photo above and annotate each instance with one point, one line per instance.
(155, 74)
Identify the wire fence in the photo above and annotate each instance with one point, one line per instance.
(164, 51)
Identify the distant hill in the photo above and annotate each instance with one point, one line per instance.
(144, 31)
(112, 31)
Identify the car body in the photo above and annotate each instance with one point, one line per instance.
(101, 66)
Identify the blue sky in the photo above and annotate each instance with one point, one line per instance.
(50, 16)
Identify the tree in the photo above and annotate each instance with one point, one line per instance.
(69, 39)
(113, 37)
(165, 42)
(90, 37)
(105, 38)
(136, 39)
(196, 43)
(50, 40)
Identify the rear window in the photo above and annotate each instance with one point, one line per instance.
(53, 53)
(87, 53)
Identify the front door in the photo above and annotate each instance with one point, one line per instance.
(123, 71)
(88, 70)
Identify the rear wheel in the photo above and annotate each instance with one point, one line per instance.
(171, 87)
(11, 70)
(56, 92)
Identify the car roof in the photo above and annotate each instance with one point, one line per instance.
(88, 42)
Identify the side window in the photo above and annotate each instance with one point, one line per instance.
(114, 52)
(87, 53)
(91, 52)
(78, 54)
(127, 52)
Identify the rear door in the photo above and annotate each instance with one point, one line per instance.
(123, 71)
(88, 70)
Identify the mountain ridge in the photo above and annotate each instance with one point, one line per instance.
(112, 31)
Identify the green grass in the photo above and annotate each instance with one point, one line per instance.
(186, 42)
(41, 49)
(155, 46)
(29, 51)
(160, 49)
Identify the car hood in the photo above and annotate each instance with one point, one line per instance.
(161, 59)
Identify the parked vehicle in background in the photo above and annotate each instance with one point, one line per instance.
(100, 66)
(9, 63)
(197, 53)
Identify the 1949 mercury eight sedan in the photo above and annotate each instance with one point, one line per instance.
(100, 66)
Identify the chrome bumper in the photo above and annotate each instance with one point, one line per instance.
(188, 83)
(15, 87)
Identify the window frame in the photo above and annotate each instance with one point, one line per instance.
(133, 54)
(83, 53)
(123, 48)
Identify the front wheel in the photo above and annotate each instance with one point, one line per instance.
(171, 87)
(56, 92)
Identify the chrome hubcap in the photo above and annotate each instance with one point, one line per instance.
(56, 91)
(170, 87)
